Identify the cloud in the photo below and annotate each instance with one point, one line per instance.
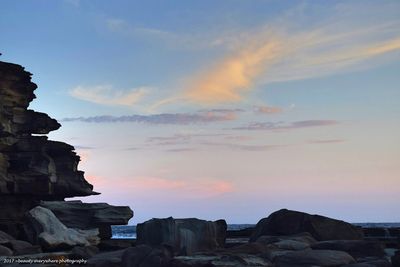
(228, 79)
(107, 95)
(151, 186)
(164, 118)
(326, 141)
(271, 126)
(244, 147)
(267, 109)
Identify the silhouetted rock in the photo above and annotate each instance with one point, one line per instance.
(372, 263)
(85, 252)
(396, 259)
(106, 259)
(5, 251)
(184, 235)
(323, 258)
(145, 256)
(356, 248)
(45, 229)
(287, 222)
(5, 238)
(241, 260)
(20, 247)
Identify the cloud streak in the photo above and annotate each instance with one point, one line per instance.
(274, 126)
(107, 95)
(164, 118)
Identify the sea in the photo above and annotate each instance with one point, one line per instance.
(129, 231)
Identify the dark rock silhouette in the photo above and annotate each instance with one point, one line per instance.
(185, 236)
(288, 222)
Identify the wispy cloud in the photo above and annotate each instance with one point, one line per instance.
(229, 78)
(280, 51)
(271, 126)
(267, 109)
(326, 141)
(107, 95)
(145, 186)
(164, 118)
(244, 147)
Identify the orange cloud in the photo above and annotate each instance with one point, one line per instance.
(228, 79)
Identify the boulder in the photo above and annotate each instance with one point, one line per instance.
(5, 238)
(106, 259)
(20, 247)
(300, 237)
(322, 258)
(396, 259)
(45, 229)
(356, 248)
(291, 245)
(145, 256)
(84, 252)
(5, 251)
(185, 236)
(288, 222)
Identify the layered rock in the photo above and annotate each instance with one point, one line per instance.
(33, 168)
(288, 222)
(185, 236)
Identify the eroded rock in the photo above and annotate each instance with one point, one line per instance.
(45, 229)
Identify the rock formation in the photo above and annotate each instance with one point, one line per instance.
(185, 236)
(34, 169)
(75, 214)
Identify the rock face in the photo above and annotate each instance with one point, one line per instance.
(287, 222)
(185, 236)
(31, 167)
(45, 229)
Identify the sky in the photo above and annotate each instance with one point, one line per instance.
(221, 109)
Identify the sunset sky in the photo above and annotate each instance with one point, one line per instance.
(221, 109)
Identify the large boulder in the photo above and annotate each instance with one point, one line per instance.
(288, 222)
(76, 214)
(185, 236)
(43, 228)
(322, 258)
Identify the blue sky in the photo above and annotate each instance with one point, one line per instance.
(221, 109)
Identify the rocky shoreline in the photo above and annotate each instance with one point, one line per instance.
(38, 227)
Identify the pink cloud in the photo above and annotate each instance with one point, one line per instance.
(156, 186)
